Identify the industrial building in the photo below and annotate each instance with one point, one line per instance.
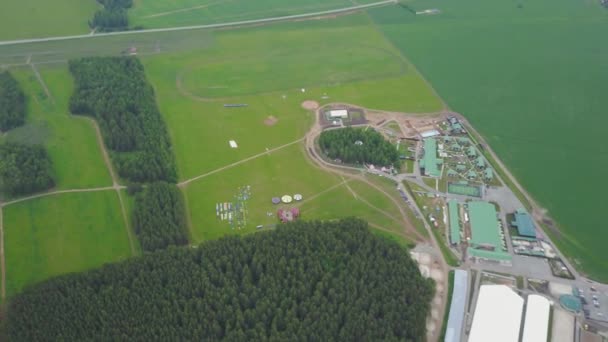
(487, 238)
(430, 164)
(497, 316)
(499, 312)
(454, 222)
(536, 326)
(453, 331)
(524, 224)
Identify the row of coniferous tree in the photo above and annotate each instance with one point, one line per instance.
(306, 281)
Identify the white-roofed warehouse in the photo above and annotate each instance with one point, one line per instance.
(536, 325)
(497, 316)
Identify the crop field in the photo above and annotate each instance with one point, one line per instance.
(70, 140)
(60, 234)
(534, 90)
(21, 19)
(166, 13)
(193, 102)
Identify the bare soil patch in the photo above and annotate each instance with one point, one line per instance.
(310, 105)
(270, 121)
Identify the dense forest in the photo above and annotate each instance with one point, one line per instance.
(358, 146)
(24, 169)
(319, 281)
(115, 91)
(12, 103)
(159, 217)
(113, 16)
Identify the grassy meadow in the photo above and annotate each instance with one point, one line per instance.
(70, 140)
(61, 234)
(20, 19)
(192, 101)
(529, 76)
(167, 13)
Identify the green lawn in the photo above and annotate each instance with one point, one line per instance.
(201, 129)
(61, 234)
(70, 140)
(531, 79)
(166, 13)
(35, 19)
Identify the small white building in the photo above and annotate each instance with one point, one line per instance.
(338, 114)
(233, 144)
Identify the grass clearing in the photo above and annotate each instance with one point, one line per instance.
(21, 19)
(195, 121)
(167, 13)
(66, 233)
(70, 140)
(548, 86)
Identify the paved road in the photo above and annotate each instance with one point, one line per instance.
(209, 26)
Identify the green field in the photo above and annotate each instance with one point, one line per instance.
(60, 234)
(70, 140)
(530, 78)
(167, 13)
(21, 19)
(197, 124)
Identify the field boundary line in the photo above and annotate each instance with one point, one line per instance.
(125, 218)
(59, 192)
(188, 181)
(208, 26)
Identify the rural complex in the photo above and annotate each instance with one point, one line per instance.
(338, 170)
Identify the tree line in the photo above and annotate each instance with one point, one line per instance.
(25, 169)
(358, 146)
(12, 103)
(114, 90)
(159, 217)
(321, 281)
(112, 16)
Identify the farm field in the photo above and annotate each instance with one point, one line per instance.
(193, 103)
(166, 13)
(70, 140)
(60, 234)
(21, 19)
(529, 77)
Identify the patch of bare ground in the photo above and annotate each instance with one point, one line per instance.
(270, 121)
(310, 105)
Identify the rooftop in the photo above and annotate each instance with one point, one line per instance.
(454, 221)
(484, 225)
(525, 225)
(497, 315)
(430, 162)
(536, 324)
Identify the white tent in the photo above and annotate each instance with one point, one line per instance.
(233, 144)
(338, 113)
(497, 316)
(536, 324)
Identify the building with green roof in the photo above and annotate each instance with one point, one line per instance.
(524, 224)
(471, 174)
(489, 255)
(454, 222)
(430, 163)
(489, 174)
(472, 152)
(480, 162)
(485, 231)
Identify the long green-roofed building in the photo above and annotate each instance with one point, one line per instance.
(454, 222)
(430, 163)
(485, 231)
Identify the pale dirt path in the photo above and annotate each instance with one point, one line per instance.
(40, 80)
(189, 9)
(115, 184)
(188, 181)
(59, 192)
